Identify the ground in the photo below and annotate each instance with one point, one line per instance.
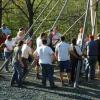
(32, 90)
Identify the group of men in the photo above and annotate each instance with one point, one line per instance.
(50, 49)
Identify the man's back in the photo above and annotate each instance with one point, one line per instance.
(44, 53)
(63, 51)
(98, 46)
(91, 48)
(26, 51)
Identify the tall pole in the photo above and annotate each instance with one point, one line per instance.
(79, 62)
(93, 15)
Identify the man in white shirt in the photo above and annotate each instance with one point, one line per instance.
(26, 51)
(6, 31)
(46, 56)
(62, 53)
(38, 44)
(8, 50)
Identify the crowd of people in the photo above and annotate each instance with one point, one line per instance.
(50, 49)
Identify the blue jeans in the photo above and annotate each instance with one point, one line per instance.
(7, 55)
(90, 69)
(47, 72)
(18, 74)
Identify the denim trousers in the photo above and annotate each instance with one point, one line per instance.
(47, 72)
(90, 69)
(18, 73)
(7, 55)
(74, 64)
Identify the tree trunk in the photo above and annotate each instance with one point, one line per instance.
(0, 13)
(93, 15)
(30, 19)
(30, 13)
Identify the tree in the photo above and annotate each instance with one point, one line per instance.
(2, 8)
(30, 9)
(0, 12)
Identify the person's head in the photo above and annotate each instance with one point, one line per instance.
(51, 30)
(29, 42)
(9, 37)
(55, 29)
(81, 30)
(20, 43)
(91, 37)
(42, 35)
(98, 36)
(3, 25)
(73, 41)
(44, 41)
(21, 29)
(62, 38)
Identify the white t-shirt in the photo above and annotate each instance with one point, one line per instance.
(55, 38)
(26, 51)
(38, 42)
(44, 53)
(20, 36)
(79, 40)
(63, 50)
(9, 45)
(78, 49)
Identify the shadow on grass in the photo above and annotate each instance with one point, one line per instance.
(77, 93)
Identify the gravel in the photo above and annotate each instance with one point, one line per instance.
(32, 90)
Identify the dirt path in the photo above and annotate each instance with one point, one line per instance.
(33, 90)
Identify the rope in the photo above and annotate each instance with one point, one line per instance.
(3, 65)
(48, 30)
(37, 19)
(71, 26)
(74, 23)
(79, 62)
(45, 18)
(58, 16)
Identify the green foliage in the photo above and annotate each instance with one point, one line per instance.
(15, 18)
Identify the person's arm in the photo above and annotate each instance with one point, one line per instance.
(52, 54)
(56, 52)
(53, 57)
(35, 54)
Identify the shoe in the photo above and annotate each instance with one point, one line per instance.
(7, 71)
(38, 76)
(62, 83)
(12, 84)
(53, 87)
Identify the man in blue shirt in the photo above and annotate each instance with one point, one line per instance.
(92, 56)
(5, 30)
